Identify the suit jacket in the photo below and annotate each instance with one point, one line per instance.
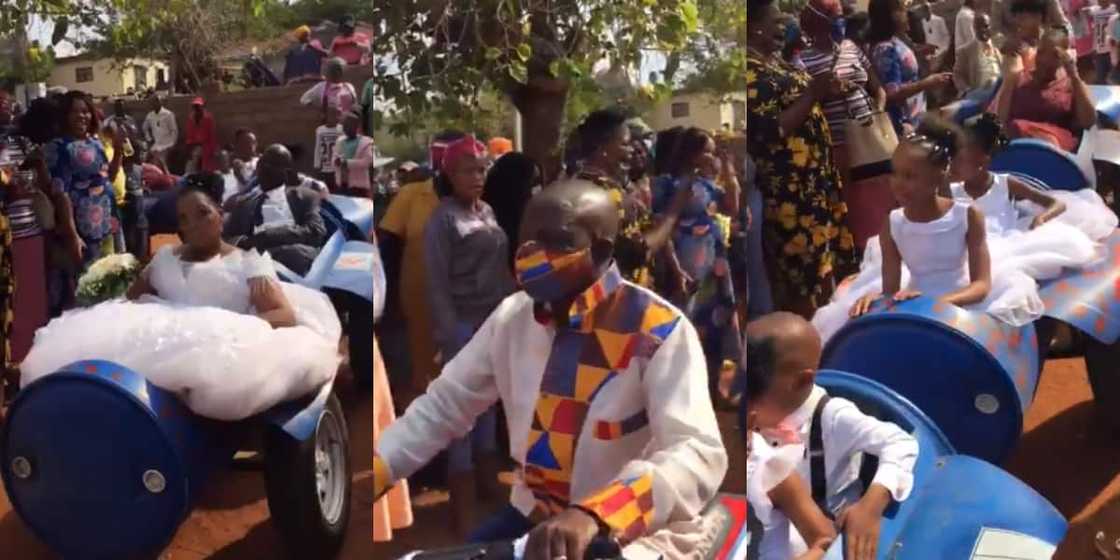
(294, 246)
(966, 71)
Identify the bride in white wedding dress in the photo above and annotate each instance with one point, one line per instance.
(205, 320)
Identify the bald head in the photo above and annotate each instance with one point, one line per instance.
(570, 215)
(795, 339)
(273, 167)
(783, 353)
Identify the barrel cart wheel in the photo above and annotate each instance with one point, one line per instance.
(308, 484)
(1102, 361)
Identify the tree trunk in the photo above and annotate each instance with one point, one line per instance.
(542, 114)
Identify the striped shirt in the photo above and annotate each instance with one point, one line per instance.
(20, 212)
(852, 66)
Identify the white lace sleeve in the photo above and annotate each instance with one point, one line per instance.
(257, 265)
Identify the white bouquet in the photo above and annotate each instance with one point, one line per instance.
(107, 278)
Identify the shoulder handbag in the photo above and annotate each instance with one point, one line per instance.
(870, 140)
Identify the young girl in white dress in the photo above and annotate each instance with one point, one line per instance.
(205, 320)
(1031, 235)
(940, 241)
(1013, 208)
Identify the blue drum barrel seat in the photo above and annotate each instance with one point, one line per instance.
(960, 506)
(973, 375)
(102, 464)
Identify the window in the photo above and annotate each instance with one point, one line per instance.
(83, 74)
(679, 110)
(141, 75)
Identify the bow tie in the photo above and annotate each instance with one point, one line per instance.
(782, 434)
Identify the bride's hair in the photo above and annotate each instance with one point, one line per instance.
(210, 185)
(987, 133)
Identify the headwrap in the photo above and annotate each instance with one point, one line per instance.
(817, 16)
(499, 146)
(465, 146)
(302, 32)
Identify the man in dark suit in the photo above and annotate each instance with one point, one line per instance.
(276, 218)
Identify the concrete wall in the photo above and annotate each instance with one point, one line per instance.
(704, 111)
(274, 114)
(109, 79)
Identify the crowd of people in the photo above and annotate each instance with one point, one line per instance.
(873, 191)
(83, 181)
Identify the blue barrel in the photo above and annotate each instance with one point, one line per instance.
(101, 464)
(973, 375)
(971, 510)
(877, 400)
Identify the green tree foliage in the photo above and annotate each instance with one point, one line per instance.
(441, 55)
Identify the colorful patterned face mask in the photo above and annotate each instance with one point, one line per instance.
(548, 276)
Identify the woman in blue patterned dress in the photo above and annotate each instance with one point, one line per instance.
(685, 159)
(80, 169)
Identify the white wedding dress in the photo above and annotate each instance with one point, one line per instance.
(200, 338)
(935, 254)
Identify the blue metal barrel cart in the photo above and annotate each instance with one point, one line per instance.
(1086, 299)
(958, 503)
(101, 464)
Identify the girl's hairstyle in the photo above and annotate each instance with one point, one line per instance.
(66, 105)
(676, 151)
(1029, 7)
(209, 185)
(939, 137)
(987, 133)
(880, 17)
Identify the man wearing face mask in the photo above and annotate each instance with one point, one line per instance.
(605, 390)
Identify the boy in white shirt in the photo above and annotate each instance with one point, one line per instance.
(793, 410)
(326, 136)
(778, 500)
(1100, 16)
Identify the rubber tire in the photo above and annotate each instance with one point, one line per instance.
(1102, 363)
(289, 474)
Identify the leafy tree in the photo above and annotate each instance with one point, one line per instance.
(439, 54)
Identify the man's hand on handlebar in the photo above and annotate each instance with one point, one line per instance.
(565, 536)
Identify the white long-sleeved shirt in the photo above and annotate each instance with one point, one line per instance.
(847, 435)
(634, 441)
(161, 128)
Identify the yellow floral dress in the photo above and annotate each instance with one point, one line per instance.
(804, 222)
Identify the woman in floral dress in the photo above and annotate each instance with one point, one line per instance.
(701, 239)
(80, 169)
(788, 138)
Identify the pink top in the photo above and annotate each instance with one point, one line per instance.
(356, 162)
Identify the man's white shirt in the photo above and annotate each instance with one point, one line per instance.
(162, 129)
(680, 448)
